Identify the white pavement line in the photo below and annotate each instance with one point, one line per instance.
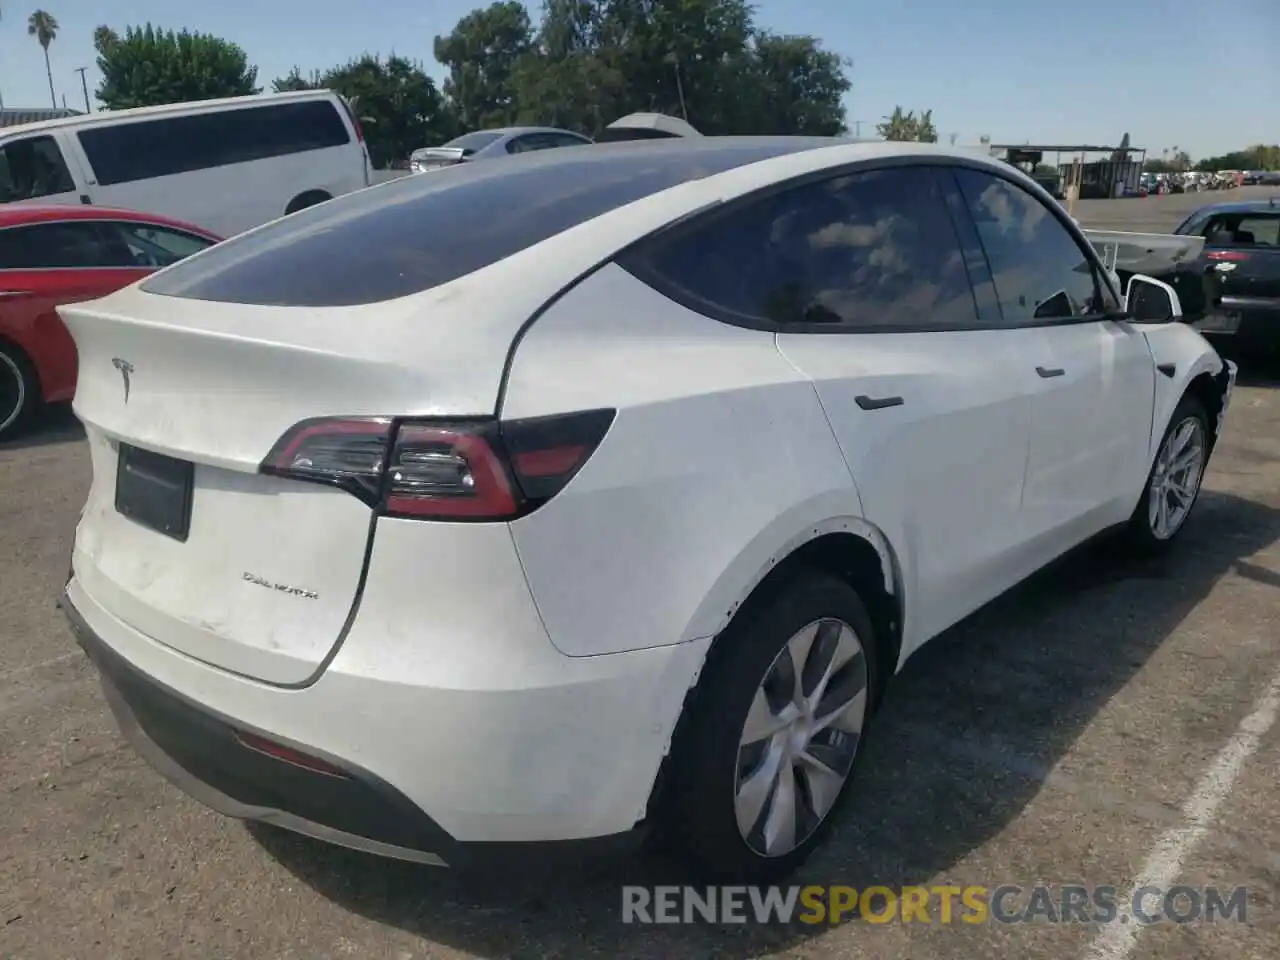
(1164, 863)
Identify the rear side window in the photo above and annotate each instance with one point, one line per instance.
(144, 149)
(417, 233)
(873, 251)
(473, 141)
(1242, 230)
(72, 244)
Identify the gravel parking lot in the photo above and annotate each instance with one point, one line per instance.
(1109, 721)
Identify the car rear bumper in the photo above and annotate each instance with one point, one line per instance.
(198, 725)
(1259, 323)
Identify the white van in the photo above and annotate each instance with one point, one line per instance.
(225, 165)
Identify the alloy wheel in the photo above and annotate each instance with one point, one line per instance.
(1175, 480)
(800, 737)
(13, 391)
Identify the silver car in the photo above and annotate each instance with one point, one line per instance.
(485, 144)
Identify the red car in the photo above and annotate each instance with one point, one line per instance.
(51, 255)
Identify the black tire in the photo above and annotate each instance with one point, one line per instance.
(19, 391)
(304, 200)
(697, 820)
(1140, 531)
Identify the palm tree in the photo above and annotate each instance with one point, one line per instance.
(44, 28)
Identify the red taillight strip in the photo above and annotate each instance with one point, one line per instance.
(278, 751)
(549, 463)
(1227, 255)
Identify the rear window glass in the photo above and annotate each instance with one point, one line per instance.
(419, 232)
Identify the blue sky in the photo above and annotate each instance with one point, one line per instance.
(1017, 70)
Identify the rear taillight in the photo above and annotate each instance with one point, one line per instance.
(442, 470)
(1230, 255)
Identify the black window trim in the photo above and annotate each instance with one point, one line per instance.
(103, 219)
(634, 257)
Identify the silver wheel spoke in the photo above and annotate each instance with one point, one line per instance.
(837, 652)
(754, 791)
(780, 822)
(797, 651)
(846, 717)
(1185, 461)
(762, 723)
(823, 783)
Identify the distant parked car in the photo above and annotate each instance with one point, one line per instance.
(228, 165)
(52, 255)
(486, 144)
(646, 126)
(1241, 261)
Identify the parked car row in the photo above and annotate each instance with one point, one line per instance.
(502, 141)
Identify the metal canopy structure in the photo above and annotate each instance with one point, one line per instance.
(1115, 173)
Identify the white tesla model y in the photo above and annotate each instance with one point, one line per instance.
(546, 501)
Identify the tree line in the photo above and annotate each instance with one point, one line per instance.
(580, 65)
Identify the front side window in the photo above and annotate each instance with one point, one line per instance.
(873, 251)
(151, 245)
(1040, 272)
(33, 167)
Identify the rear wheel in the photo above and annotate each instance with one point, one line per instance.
(767, 750)
(1173, 485)
(19, 392)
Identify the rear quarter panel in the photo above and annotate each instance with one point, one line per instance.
(719, 462)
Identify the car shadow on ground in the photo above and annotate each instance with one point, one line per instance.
(55, 424)
(1024, 676)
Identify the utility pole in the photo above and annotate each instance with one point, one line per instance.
(84, 85)
(1, 95)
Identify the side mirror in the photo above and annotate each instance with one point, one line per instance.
(1148, 300)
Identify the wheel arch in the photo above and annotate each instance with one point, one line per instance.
(848, 546)
(308, 198)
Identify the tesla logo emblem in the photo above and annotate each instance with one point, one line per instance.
(126, 371)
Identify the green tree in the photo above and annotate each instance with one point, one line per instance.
(148, 66)
(905, 125)
(104, 37)
(44, 28)
(294, 80)
(481, 54)
(399, 107)
(593, 61)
